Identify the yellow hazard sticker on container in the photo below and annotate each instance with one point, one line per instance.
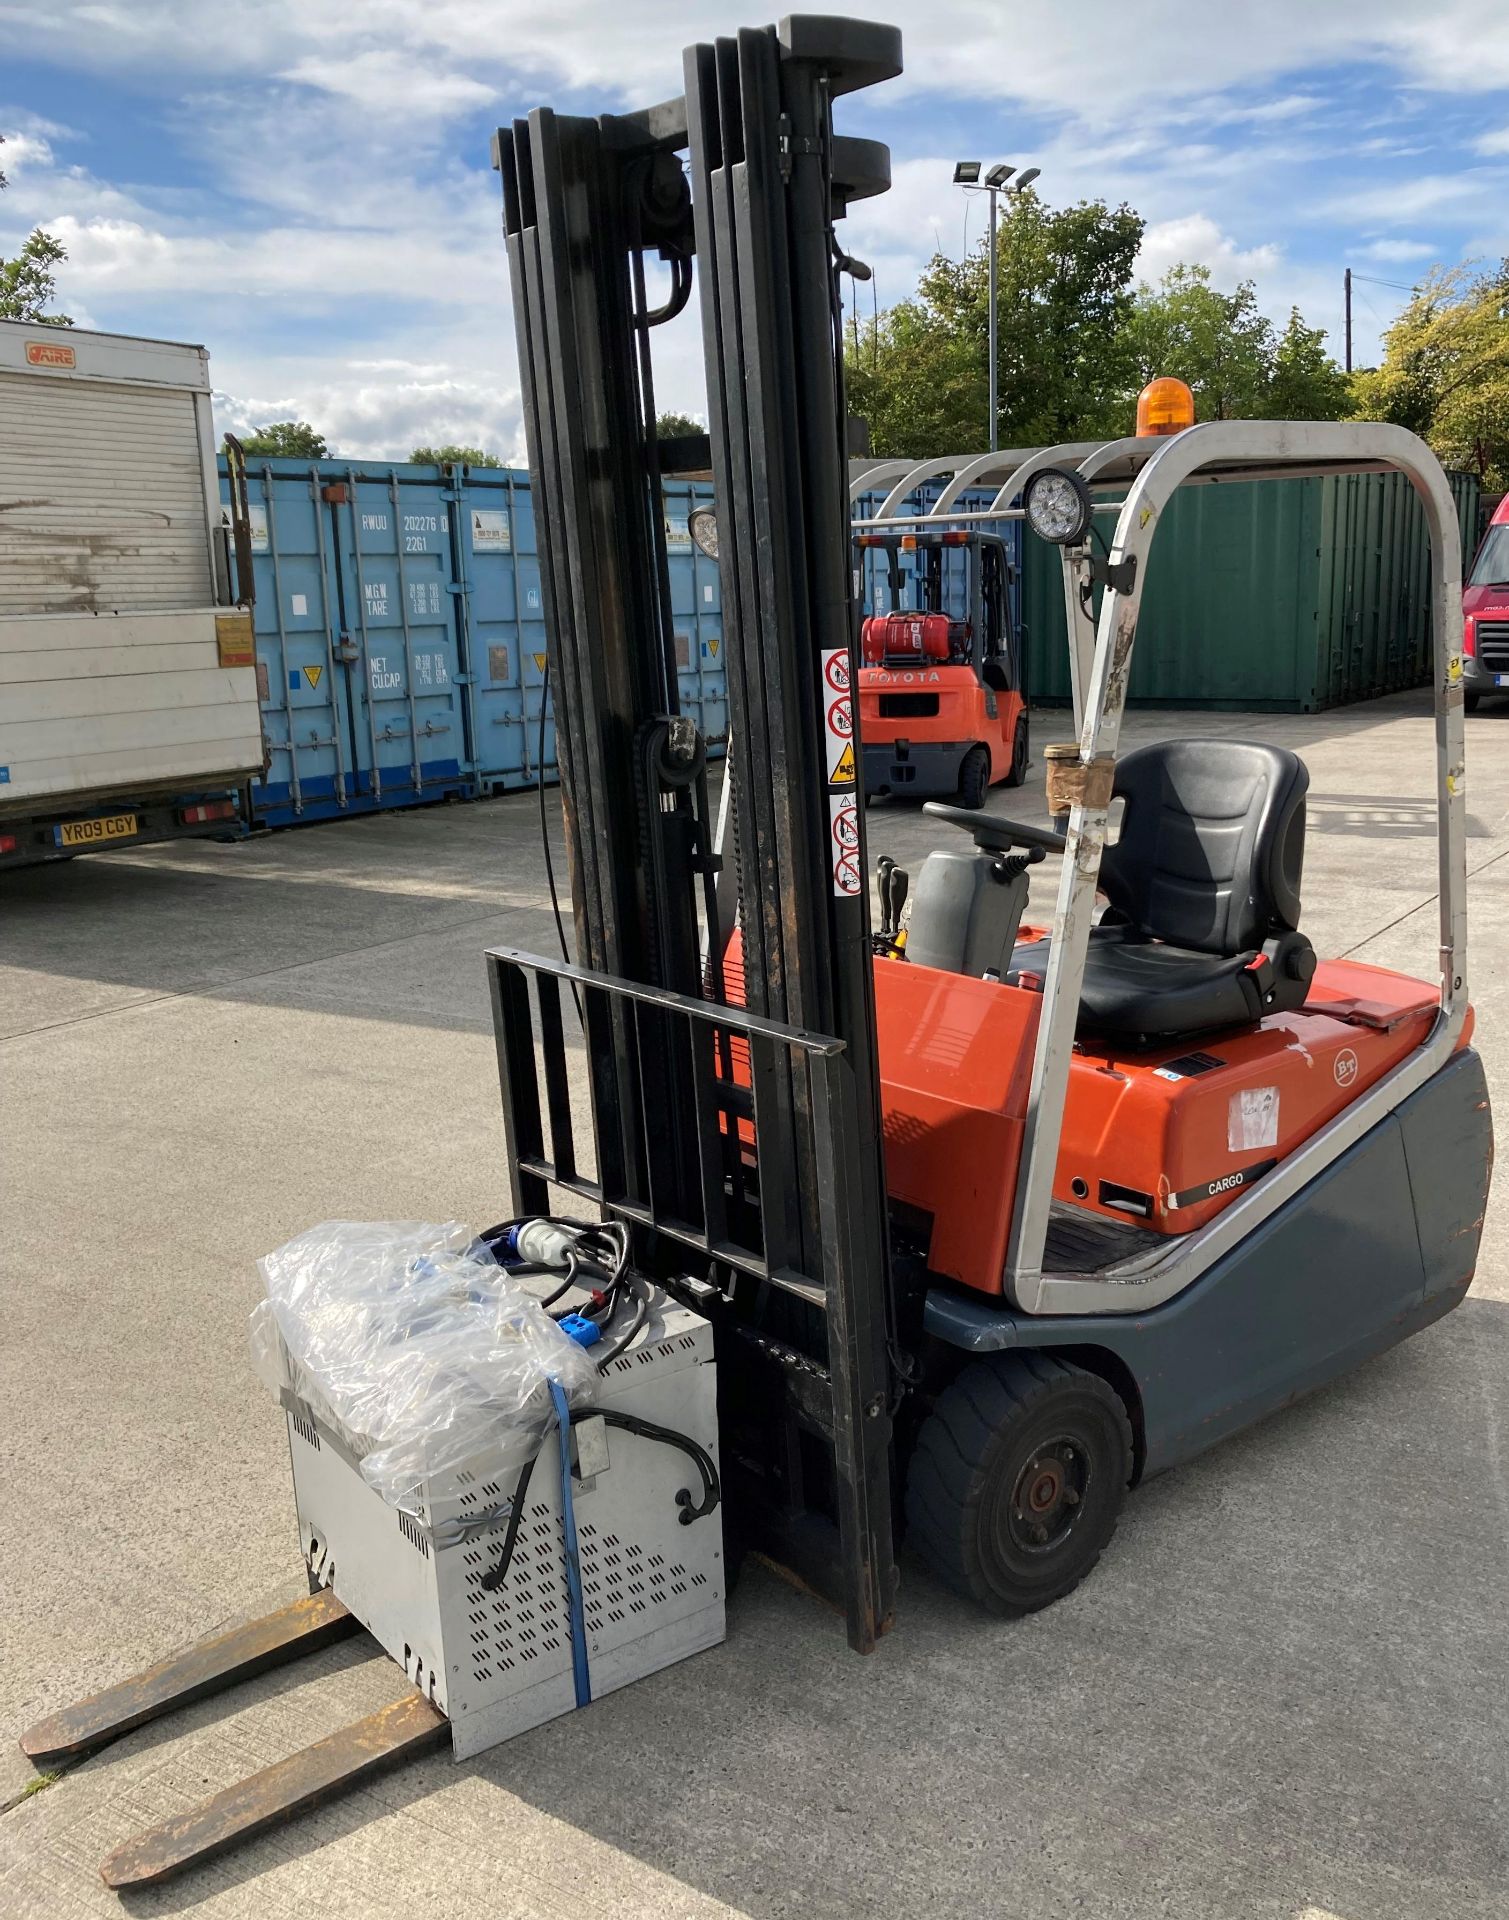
(539, 661)
(312, 675)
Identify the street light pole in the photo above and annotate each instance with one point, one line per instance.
(994, 410)
(967, 175)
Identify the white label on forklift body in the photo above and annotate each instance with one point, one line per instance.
(491, 532)
(843, 821)
(1252, 1119)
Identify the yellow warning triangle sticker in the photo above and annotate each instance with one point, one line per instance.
(312, 675)
(713, 648)
(539, 661)
(843, 774)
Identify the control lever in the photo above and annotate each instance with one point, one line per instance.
(901, 880)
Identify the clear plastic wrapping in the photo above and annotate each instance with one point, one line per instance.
(408, 1340)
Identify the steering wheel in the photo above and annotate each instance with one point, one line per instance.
(995, 835)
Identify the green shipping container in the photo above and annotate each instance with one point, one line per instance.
(1281, 597)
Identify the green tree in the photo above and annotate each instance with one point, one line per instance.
(1445, 371)
(1064, 279)
(455, 457)
(676, 426)
(27, 282)
(1304, 382)
(290, 439)
(1219, 343)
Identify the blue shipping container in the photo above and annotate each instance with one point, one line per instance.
(400, 633)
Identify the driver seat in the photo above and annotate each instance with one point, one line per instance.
(1202, 930)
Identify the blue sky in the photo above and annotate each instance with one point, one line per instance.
(303, 185)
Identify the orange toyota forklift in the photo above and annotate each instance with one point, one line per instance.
(942, 696)
(993, 1223)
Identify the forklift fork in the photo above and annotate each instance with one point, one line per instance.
(395, 1732)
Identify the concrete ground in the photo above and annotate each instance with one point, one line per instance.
(1281, 1694)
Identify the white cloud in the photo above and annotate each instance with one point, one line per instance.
(1108, 62)
(1396, 252)
(382, 411)
(1493, 143)
(1197, 239)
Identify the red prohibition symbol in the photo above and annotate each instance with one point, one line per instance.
(836, 672)
(841, 718)
(846, 874)
(846, 828)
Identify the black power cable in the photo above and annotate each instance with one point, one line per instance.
(628, 1423)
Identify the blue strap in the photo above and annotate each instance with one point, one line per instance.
(573, 1559)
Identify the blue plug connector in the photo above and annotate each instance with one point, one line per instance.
(577, 1327)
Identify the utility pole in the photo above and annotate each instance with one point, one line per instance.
(1347, 289)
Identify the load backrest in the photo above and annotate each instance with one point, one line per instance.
(1212, 843)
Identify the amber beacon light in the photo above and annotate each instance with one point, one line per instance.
(1164, 405)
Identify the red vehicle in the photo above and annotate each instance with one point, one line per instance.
(942, 701)
(1485, 614)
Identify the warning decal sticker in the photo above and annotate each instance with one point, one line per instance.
(843, 817)
(312, 675)
(539, 661)
(838, 718)
(1224, 1183)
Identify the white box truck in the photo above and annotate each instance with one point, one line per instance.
(128, 685)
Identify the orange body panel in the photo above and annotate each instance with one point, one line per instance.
(1175, 1133)
(963, 711)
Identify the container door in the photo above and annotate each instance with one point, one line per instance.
(409, 721)
(505, 621)
(300, 682)
(697, 617)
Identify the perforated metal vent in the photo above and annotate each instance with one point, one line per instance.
(529, 1614)
(411, 1530)
(619, 1578)
(304, 1427)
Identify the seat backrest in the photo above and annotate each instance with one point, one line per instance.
(1212, 843)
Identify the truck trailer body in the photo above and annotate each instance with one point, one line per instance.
(128, 694)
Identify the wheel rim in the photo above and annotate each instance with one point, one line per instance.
(1019, 751)
(1048, 1497)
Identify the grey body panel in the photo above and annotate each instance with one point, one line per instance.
(930, 767)
(1383, 1242)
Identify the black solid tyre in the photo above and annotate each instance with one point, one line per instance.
(1470, 701)
(1020, 753)
(1017, 1480)
(974, 777)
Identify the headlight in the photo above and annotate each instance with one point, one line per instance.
(702, 525)
(1058, 506)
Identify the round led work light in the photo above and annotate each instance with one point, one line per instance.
(1058, 506)
(702, 525)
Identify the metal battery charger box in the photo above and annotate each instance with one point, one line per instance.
(499, 1662)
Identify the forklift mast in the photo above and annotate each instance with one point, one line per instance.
(735, 1121)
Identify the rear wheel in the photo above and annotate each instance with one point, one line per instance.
(1017, 1480)
(1020, 752)
(974, 777)
(1470, 701)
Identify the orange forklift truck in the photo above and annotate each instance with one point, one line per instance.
(942, 700)
(991, 1226)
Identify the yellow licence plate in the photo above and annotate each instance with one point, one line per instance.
(95, 833)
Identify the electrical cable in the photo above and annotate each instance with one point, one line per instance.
(555, 899)
(712, 1491)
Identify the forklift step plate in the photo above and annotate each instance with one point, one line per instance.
(396, 1732)
(204, 1668)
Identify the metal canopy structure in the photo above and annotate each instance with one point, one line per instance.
(1149, 471)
